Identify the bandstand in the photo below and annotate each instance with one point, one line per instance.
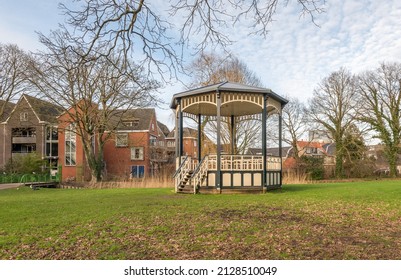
(221, 172)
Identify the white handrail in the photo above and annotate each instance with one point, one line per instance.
(244, 163)
(200, 173)
(187, 166)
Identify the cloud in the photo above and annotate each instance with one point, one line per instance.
(294, 57)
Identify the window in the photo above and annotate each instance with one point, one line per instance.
(161, 143)
(170, 144)
(137, 171)
(51, 141)
(194, 143)
(23, 117)
(122, 140)
(23, 132)
(311, 150)
(153, 141)
(70, 146)
(137, 153)
(128, 124)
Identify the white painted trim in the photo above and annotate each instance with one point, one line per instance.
(31, 108)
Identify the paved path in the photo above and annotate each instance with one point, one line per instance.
(9, 186)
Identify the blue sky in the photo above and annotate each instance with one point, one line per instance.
(294, 57)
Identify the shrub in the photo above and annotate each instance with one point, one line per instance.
(313, 166)
(29, 163)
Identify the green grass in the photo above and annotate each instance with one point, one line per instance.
(359, 220)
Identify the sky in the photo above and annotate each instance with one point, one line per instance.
(291, 60)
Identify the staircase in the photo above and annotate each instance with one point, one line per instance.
(183, 176)
(190, 175)
(200, 173)
(185, 185)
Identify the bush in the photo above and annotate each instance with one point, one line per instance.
(313, 166)
(27, 164)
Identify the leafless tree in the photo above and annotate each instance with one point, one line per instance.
(380, 98)
(96, 92)
(144, 30)
(295, 125)
(211, 68)
(334, 106)
(13, 63)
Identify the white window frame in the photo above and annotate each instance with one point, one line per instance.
(70, 153)
(121, 142)
(140, 153)
(152, 141)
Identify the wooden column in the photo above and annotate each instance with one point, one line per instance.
(180, 133)
(199, 137)
(233, 135)
(218, 115)
(280, 152)
(264, 153)
(176, 134)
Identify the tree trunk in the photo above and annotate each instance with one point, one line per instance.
(339, 159)
(391, 155)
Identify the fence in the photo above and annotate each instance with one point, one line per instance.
(24, 178)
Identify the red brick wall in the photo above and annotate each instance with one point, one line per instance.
(80, 171)
(189, 148)
(118, 159)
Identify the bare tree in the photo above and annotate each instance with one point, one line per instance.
(142, 28)
(13, 63)
(380, 98)
(98, 93)
(211, 68)
(334, 106)
(296, 124)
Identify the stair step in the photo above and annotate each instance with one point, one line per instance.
(186, 190)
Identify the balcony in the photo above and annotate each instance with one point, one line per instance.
(24, 140)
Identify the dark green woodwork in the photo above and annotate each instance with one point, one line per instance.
(264, 117)
(199, 138)
(218, 174)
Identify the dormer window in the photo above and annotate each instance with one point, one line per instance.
(130, 122)
(23, 117)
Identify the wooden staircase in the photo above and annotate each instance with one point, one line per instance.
(185, 185)
(190, 175)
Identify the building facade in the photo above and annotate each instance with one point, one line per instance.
(30, 127)
(136, 149)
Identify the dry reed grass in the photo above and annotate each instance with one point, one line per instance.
(293, 177)
(166, 181)
(148, 182)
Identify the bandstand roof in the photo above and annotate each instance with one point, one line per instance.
(232, 106)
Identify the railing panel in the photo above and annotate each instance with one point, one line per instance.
(244, 163)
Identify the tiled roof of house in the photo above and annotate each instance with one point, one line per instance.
(330, 148)
(187, 132)
(163, 128)
(8, 107)
(45, 110)
(133, 119)
(269, 151)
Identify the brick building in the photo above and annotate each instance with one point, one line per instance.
(136, 149)
(30, 126)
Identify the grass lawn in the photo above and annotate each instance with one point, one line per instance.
(359, 220)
